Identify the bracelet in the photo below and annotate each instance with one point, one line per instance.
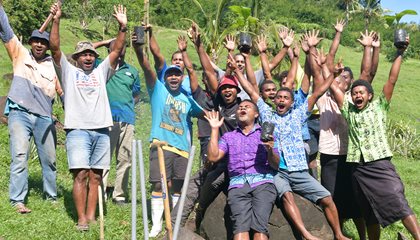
(123, 29)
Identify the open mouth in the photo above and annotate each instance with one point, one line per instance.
(88, 65)
(227, 95)
(281, 107)
(358, 102)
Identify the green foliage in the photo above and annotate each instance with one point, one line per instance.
(26, 15)
(391, 20)
(403, 139)
(243, 20)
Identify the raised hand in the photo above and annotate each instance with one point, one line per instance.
(339, 67)
(304, 44)
(230, 43)
(120, 13)
(194, 34)
(231, 62)
(404, 47)
(55, 10)
(182, 43)
(376, 40)
(213, 118)
(366, 39)
(261, 43)
(312, 38)
(319, 56)
(288, 40)
(283, 32)
(339, 26)
(147, 27)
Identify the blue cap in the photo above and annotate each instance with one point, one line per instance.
(173, 68)
(37, 34)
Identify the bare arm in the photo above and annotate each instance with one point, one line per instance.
(182, 46)
(121, 16)
(272, 157)
(393, 74)
(313, 41)
(286, 37)
(291, 75)
(366, 42)
(149, 73)
(250, 72)
(247, 86)
(204, 59)
(103, 43)
(376, 44)
(262, 48)
(339, 27)
(323, 87)
(55, 34)
(214, 154)
(154, 48)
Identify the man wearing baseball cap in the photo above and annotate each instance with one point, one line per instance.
(171, 111)
(87, 113)
(29, 108)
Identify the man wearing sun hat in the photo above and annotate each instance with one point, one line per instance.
(29, 108)
(87, 113)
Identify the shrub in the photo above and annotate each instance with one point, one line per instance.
(403, 139)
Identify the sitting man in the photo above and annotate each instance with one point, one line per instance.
(251, 192)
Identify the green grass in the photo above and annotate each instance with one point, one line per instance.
(57, 221)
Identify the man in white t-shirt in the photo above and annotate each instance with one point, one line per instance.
(87, 113)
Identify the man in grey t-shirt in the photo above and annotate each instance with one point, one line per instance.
(87, 113)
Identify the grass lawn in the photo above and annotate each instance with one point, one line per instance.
(57, 220)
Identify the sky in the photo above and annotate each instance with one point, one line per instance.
(400, 5)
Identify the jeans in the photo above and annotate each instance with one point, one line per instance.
(22, 127)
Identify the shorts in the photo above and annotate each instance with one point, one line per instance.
(300, 182)
(251, 207)
(175, 166)
(88, 149)
(380, 193)
(336, 177)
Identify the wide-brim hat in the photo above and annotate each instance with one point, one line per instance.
(173, 68)
(37, 34)
(82, 47)
(229, 80)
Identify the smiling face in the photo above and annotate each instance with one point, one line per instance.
(246, 113)
(283, 101)
(177, 60)
(86, 60)
(268, 91)
(240, 61)
(228, 93)
(360, 96)
(347, 78)
(173, 79)
(39, 48)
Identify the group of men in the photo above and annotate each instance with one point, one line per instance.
(358, 180)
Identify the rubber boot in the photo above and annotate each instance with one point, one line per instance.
(175, 198)
(157, 213)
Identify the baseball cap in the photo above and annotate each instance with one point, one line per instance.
(229, 80)
(84, 46)
(37, 34)
(173, 68)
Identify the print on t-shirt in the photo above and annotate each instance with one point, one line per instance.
(174, 111)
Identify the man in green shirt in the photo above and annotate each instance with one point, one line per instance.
(377, 186)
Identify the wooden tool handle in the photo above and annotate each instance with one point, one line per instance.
(45, 24)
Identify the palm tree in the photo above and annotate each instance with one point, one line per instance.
(349, 4)
(369, 8)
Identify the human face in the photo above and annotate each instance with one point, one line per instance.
(283, 83)
(173, 80)
(346, 76)
(86, 60)
(240, 61)
(177, 60)
(39, 48)
(360, 96)
(283, 101)
(246, 113)
(268, 91)
(229, 94)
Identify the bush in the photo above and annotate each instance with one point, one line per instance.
(403, 139)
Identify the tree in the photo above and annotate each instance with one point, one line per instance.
(369, 9)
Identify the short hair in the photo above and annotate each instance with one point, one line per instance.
(363, 83)
(176, 52)
(286, 89)
(253, 104)
(265, 82)
(283, 75)
(348, 69)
